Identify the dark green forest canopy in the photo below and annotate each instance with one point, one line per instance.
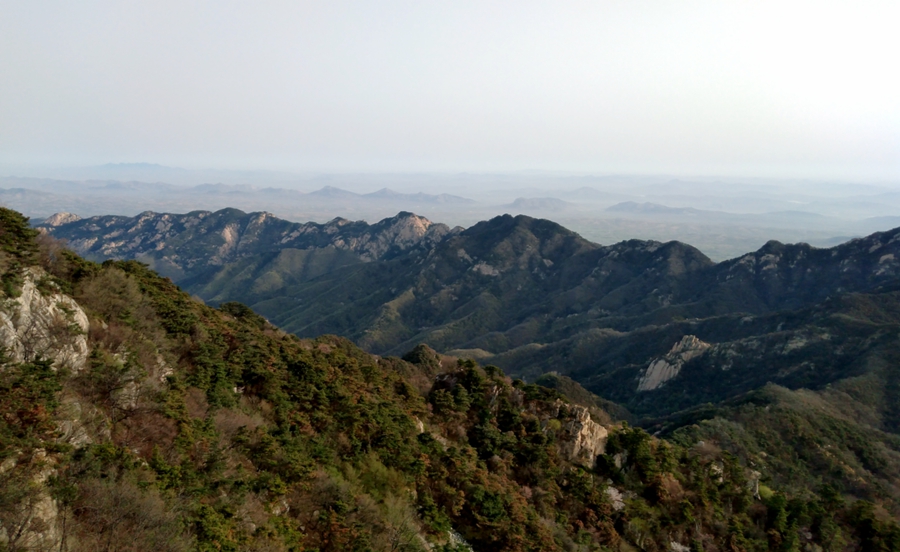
(211, 429)
(532, 297)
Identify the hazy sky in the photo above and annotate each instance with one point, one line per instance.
(714, 87)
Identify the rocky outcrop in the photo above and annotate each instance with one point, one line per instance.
(663, 369)
(43, 323)
(616, 498)
(582, 439)
(80, 424)
(400, 233)
(59, 219)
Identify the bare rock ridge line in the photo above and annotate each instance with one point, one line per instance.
(530, 296)
(217, 238)
(59, 219)
(663, 369)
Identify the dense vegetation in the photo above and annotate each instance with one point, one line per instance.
(193, 428)
(532, 297)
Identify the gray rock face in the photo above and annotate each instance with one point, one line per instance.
(203, 239)
(44, 325)
(50, 325)
(580, 439)
(60, 218)
(663, 369)
(402, 232)
(616, 498)
(80, 424)
(583, 439)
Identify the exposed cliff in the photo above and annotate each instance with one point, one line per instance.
(44, 323)
(579, 438)
(58, 219)
(38, 323)
(584, 439)
(663, 369)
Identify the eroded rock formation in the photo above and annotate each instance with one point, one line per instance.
(663, 369)
(44, 324)
(582, 438)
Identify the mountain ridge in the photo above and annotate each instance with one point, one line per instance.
(763, 465)
(533, 297)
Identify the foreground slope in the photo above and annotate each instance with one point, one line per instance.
(185, 427)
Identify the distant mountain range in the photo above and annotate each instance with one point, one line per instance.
(722, 220)
(633, 207)
(132, 416)
(89, 195)
(192, 246)
(744, 353)
(515, 291)
(655, 210)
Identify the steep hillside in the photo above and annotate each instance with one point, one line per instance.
(184, 427)
(532, 297)
(546, 272)
(781, 277)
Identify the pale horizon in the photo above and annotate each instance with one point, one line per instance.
(776, 90)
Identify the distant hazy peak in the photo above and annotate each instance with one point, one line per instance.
(539, 203)
(58, 219)
(384, 192)
(333, 192)
(137, 166)
(649, 208)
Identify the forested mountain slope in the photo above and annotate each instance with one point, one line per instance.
(232, 251)
(450, 287)
(183, 427)
(533, 297)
